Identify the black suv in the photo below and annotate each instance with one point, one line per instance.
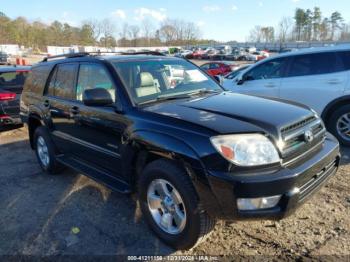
(11, 85)
(193, 152)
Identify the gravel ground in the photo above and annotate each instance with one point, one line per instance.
(69, 214)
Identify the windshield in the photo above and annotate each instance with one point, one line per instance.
(153, 80)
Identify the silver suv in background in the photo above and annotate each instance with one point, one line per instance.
(317, 77)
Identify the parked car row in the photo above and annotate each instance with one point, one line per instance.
(224, 53)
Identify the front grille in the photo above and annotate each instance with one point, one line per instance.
(311, 185)
(301, 137)
(297, 125)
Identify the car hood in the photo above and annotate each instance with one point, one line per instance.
(229, 112)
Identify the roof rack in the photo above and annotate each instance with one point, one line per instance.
(82, 54)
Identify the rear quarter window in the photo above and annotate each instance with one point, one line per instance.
(314, 64)
(36, 79)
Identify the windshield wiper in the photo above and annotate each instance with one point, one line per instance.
(182, 95)
(203, 91)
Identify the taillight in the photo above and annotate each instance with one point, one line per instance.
(7, 96)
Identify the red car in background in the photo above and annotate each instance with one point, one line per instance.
(218, 68)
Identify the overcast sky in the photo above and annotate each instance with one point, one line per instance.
(221, 20)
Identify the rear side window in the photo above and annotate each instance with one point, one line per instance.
(314, 64)
(36, 79)
(62, 81)
(268, 70)
(345, 57)
(214, 66)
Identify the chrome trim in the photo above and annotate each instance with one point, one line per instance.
(303, 154)
(302, 130)
(85, 143)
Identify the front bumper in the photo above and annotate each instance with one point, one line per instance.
(294, 183)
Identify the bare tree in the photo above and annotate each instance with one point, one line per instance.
(107, 30)
(255, 34)
(96, 28)
(284, 28)
(134, 30)
(148, 30)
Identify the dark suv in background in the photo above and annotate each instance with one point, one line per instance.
(192, 152)
(11, 85)
(4, 58)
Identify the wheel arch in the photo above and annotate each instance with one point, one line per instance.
(336, 103)
(34, 121)
(149, 146)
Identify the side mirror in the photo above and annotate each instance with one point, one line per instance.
(97, 97)
(219, 79)
(240, 80)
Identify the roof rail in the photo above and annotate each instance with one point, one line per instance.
(82, 54)
(144, 53)
(70, 55)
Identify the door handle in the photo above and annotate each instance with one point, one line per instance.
(46, 103)
(74, 110)
(333, 81)
(270, 85)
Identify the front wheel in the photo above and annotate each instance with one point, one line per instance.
(339, 124)
(171, 206)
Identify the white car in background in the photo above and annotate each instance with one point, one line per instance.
(317, 77)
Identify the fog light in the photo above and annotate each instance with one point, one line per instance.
(257, 203)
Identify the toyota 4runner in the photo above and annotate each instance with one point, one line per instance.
(193, 152)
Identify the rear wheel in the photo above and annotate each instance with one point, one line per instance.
(171, 206)
(45, 151)
(339, 124)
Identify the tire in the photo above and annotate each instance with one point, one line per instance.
(197, 223)
(41, 135)
(332, 124)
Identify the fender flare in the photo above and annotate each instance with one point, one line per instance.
(172, 148)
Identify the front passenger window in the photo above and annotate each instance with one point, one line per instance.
(93, 76)
(268, 70)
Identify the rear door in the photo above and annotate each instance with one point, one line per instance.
(264, 79)
(314, 80)
(59, 103)
(344, 56)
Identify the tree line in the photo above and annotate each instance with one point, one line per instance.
(306, 25)
(92, 32)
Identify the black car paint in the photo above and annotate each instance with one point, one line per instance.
(119, 140)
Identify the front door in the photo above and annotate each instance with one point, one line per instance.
(98, 130)
(263, 79)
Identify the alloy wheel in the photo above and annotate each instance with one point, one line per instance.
(43, 151)
(343, 126)
(166, 206)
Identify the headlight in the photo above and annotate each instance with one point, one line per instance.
(246, 149)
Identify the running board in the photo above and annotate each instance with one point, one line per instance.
(94, 173)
